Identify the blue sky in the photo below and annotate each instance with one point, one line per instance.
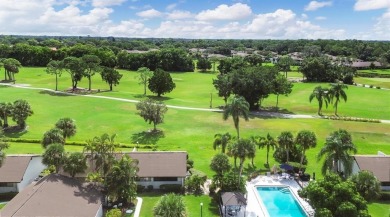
(205, 19)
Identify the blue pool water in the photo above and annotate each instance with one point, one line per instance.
(280, 202)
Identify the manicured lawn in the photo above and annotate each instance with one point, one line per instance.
(377, 82)
(192, 131)
(379, 209)
(194, 89)
(378, 71)
(192, 203)
(2, 205)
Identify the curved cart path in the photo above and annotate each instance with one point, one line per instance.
(257, 113)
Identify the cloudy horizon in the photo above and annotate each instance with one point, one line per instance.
(201, 19)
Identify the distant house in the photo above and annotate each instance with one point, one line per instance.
(365, 65)
(55, 195)
(379, 165)
(18, 171)
(157, 167)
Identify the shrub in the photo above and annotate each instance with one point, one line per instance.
(150, 187)
(385, 196)
(371, 86)
(194, 184)
(378, 87)
(175, 188)
(198, 173)
(140, 188)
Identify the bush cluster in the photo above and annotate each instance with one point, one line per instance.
(353, 119)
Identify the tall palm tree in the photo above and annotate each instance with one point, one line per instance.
(267, 142)
(286, 141)
(68, 127)
(52, 136)
(221, 140)
(337, 149)
(104, 149)
(305, 139)
(238, 107)
(244, 148)
(321, 94)
(75, 163)
(336, 92)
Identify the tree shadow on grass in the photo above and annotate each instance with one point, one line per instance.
(14, 132)
(161, 98)
(54, 93)
(147, 137)
(214, 205)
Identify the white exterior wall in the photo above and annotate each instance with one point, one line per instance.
(355, 168)
(156, 184)
(14, 188)
(33, 170)
(99, 212)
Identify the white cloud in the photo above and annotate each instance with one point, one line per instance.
(151, 13)
(106, 3)
(314, 5)
(363, 5)
(178, 15)
(171, 7)
(320, 18)
(224, 12)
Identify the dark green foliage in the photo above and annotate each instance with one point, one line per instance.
(231, 181)
(175, 188)
(75, 67)
(3, 146)
(305, 139)
(161, 82)
(253, 83)
(367, 185)
(337, 151)
(152, 111)
(336, 196)
(11, 67)
(220, 164)
(110, 76)
(194, 183)
(52, 136)
(237, 108)
(67, 126)
(224, 86)
(281, 86)
(54, 155)
(75, 163)
(91, 66)
(120, 180)
(20, 112)
(230, 64)
(203, 64)
(170, 205)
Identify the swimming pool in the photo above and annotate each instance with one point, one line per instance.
(280, 202)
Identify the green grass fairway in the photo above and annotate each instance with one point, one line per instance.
(188, 130)
(194, 89)
(377, 82)
(379, 209)
(378, 71)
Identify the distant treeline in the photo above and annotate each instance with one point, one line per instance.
(38, 51)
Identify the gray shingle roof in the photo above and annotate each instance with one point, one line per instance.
(378, 165)
(54, 195)
(13, 169)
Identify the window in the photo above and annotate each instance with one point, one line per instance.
(165, 179)
(6, 184)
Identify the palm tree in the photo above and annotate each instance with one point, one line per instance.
(221, 140)
(52, 136)
(75, 163)
(5, 112)
(337, 149)
(286, 141)
(336, 92)
(267, 142)
(68, 127)
(54, 155)
(237, 107)
(321, 94)
(104, 149)
(244, 148)
(305, 139)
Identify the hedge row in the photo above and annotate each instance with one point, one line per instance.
(75, 143)
(372, 75)
(352, 119)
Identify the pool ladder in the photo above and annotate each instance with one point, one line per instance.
(285, 190)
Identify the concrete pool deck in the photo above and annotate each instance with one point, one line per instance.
(255, 208)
